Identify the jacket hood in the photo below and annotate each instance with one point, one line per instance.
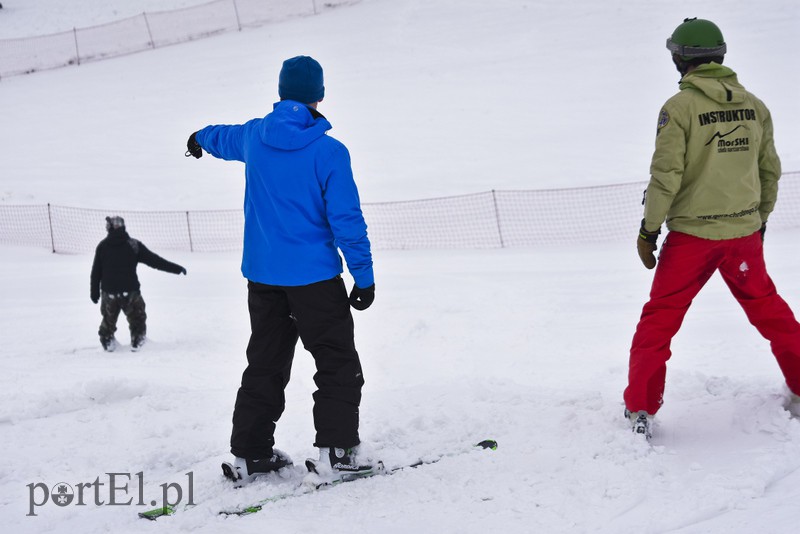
(292, 126)
(117, 236)
(717, 82)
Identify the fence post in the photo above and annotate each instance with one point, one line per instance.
(497, 219)
(236, 10)
(149, 32)
(77, 50)
(50, 223)
(189, 230)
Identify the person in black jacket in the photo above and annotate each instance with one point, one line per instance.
(114, 270)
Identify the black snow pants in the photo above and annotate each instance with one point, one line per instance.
(319, 315)
(131, 304)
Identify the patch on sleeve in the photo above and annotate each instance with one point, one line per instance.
(663, 118)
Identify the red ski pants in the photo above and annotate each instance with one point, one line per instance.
(685, 264)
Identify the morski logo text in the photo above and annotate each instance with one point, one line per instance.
(725, 144)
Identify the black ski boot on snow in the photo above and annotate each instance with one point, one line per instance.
(243, 471)
(109, 343)
(137, 342)
(336, 463)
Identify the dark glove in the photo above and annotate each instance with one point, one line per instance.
(646, 245)
(762, 231)
(95, 297)
(361, 299)
(193, 148)
(182, 271)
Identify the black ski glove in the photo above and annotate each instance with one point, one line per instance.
(95, 296)
(182, 271)
(762, 231)
(361, 299)
(646, 245)
(193, 148)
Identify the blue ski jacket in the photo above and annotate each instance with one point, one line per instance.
(300, 203)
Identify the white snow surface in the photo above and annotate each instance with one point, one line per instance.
(526, 346)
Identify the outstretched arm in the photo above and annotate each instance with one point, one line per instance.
(221, 141)
(151, 259)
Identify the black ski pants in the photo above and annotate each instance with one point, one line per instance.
(319, 315)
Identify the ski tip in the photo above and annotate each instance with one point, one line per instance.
(154, 514)
(244, 511)
(487, 444)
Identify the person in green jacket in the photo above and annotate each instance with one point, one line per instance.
(714, 180)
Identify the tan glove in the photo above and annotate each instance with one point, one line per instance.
(646, 246)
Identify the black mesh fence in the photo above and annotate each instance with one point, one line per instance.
(787, 209)
(26, 225)
(148, 30)
(559, 215)
(494, 219)
(215, 230)
(468, 221)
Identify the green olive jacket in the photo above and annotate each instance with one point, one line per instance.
(715, 171)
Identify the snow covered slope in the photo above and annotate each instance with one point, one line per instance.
(432, 97)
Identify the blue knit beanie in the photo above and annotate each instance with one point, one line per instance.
(301, 80)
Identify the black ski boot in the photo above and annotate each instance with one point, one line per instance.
(137, 342)
(243, 471)
(343, 464)
(109, 343)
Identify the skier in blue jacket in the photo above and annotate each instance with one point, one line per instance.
(301, 207)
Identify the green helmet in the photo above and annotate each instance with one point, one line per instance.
(696, 38)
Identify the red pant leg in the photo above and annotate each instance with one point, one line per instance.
(745, 273)
(685, 265)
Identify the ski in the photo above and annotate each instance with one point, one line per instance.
(489, 444)
(296, 482)
(304, 488)
(155, 513)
